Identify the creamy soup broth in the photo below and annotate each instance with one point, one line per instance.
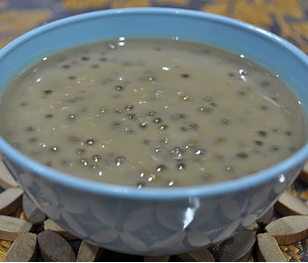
(151, 113)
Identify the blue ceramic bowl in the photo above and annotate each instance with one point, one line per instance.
(155, 221)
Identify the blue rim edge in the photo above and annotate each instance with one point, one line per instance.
(166, 194)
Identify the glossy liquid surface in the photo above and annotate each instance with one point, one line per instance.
(151, 113)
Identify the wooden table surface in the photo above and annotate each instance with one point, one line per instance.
(287, 18)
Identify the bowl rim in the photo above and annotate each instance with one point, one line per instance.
(177, 193)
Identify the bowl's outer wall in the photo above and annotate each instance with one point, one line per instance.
(153, 226)
(150, 227)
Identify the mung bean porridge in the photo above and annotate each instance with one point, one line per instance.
(151, 113)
